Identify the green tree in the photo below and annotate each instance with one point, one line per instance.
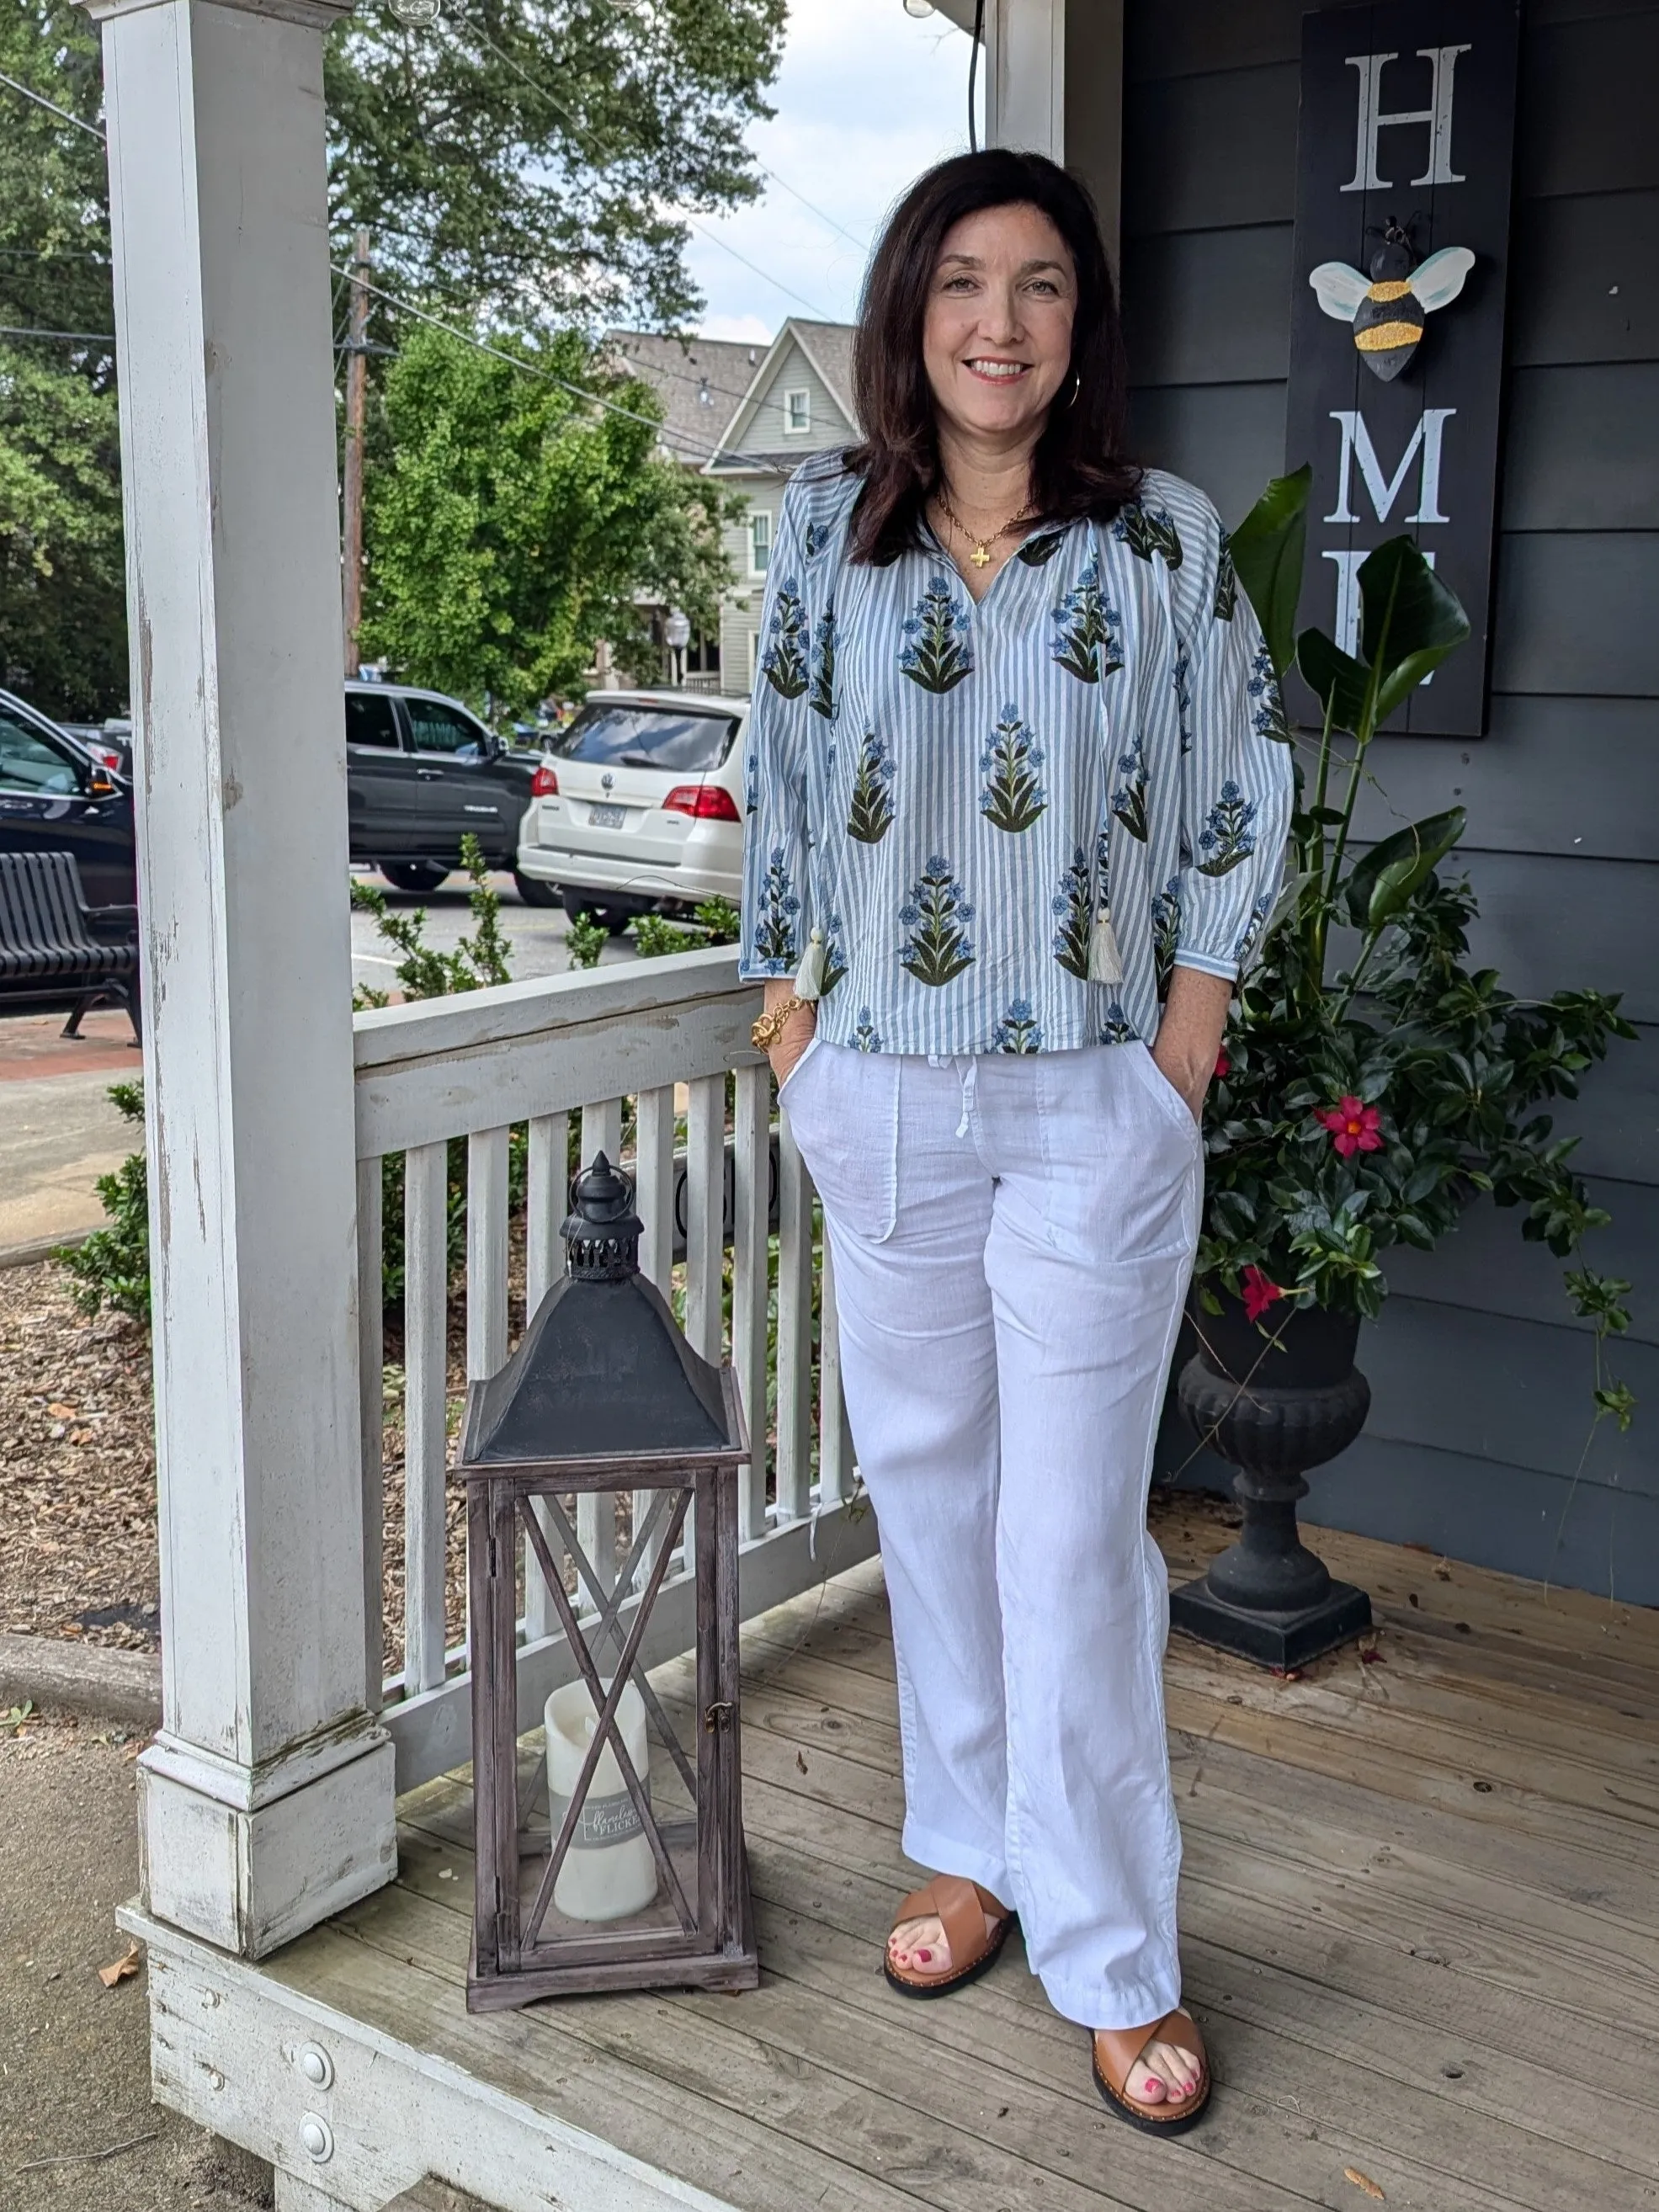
(510, 525)
(546, 150)
(62, 632)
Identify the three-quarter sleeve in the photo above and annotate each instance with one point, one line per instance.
(775, 842)
(1237, 776)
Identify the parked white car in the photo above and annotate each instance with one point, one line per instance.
(637, 807)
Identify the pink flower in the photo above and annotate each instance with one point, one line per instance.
(1259, 1293)
(1223, 1066)
(1353, 1127)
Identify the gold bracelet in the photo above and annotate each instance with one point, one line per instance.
(765, 1032)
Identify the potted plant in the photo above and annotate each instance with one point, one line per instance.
(1370, 1085)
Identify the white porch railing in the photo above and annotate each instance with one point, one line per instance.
(475, 1067)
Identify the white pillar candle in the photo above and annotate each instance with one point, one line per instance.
(609, 1871)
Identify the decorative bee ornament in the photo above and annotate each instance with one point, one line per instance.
(1388, 312)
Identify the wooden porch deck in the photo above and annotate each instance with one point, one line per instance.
(1420, 1917)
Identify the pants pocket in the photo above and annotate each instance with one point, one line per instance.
(845, 1124)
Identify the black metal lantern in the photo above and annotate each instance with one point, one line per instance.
(610, 1851)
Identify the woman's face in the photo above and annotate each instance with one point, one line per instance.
(997, 337)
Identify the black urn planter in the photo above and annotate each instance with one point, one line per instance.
(1275, 1406)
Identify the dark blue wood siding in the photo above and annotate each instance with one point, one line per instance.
(1481, 1382)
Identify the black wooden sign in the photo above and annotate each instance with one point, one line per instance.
(1402, 216)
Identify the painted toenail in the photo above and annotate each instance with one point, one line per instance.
(926, 1957)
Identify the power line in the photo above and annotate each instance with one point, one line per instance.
(546, 375)
(77, 337)
(53, 108)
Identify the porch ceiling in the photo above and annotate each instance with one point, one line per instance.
(1417, 1913)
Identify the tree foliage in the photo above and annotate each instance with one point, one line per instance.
(511, 525)
(529, 157)
(63, 634)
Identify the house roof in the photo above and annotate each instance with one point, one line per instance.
(700, 381)
(828, 348)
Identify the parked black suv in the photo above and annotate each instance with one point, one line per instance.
(56, 798)
(421, 771)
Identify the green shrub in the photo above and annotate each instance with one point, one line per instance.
(585, 940)
(112, 1268)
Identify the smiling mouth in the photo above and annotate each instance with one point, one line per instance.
(997, 372)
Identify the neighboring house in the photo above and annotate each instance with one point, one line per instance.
(749, 415)
(701, 382)
(799, 402)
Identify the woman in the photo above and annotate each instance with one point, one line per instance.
(1016, 805)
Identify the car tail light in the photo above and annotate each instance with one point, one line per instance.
(544, 783)
(707, 801)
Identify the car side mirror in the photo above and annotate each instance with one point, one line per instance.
(99, 785)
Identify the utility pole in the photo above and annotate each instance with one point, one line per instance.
(356, 408)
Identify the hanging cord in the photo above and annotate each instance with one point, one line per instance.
(973, 75)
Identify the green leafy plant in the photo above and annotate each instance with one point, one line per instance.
(585, 940)
(111, 1267)
(716, 923)
(424, 972)
(1370, 1085)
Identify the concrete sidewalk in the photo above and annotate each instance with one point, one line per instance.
(78, 2132)
(59, 1131)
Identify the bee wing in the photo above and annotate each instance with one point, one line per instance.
(1440, 278)
(1341, 289)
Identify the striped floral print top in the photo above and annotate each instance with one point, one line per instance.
(956, 798)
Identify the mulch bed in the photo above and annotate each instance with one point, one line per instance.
(78, 1552)
(78, 1468)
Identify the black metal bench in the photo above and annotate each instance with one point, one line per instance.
(57, 951)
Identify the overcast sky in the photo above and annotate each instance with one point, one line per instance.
(867, 97)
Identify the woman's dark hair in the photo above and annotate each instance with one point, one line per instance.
(1079, 467)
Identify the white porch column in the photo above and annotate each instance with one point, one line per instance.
(266, 1801)
(1054, 86)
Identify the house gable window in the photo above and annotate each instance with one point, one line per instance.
(798, 412)
(760, 540)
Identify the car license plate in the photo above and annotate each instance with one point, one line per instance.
(606, 817)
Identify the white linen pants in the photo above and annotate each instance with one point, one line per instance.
(1012, 1237)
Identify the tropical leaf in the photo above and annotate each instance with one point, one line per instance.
(1267, 550)
(1379, 885)
(1409, 621)
(1340, 683)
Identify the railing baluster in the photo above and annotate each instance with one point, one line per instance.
(750, 1246)
(371, 1384)
(602, 1131)
(653, 1161)
(486, 1254)
(794, 1329)
(596, 1512)
(547, 1180)
(426, 1438)
(835, 1436)
(705, 1213)
(654, 1150)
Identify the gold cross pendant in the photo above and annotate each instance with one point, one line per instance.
(981, 556)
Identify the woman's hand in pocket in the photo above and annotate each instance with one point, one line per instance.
(796, 1035)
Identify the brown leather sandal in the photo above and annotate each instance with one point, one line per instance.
(960, 1908)
(1115, 2051)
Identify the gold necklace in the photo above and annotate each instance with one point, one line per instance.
(980, 556)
